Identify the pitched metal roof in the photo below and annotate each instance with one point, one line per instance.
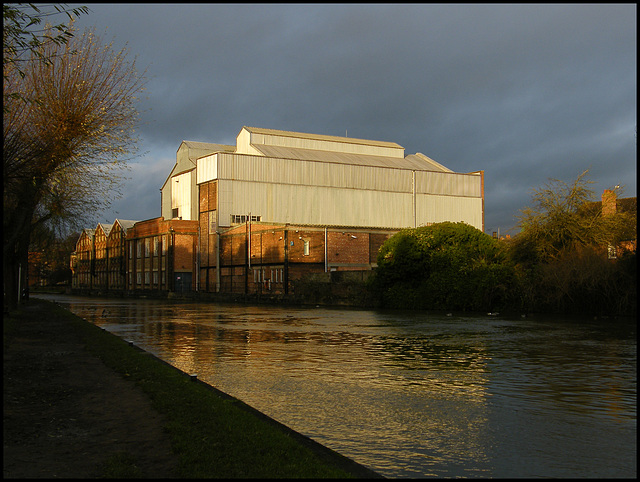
(206, 146)
(302, 135)
(125, 223)
(417, 162)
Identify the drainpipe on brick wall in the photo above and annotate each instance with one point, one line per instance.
(249, 243)
(326, 266)
(217, 260)
(171, 260)
(197, 256)
(286, 260)
(247, 264)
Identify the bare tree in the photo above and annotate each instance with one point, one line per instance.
(65, 148)
(564, 215)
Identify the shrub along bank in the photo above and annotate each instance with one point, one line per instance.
(454, 266)
(445, 266)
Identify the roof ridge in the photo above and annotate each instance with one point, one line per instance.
(323, 137)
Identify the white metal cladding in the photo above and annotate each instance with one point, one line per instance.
(324, 205)
(438, 208)
(165, 201)
(207, 169)
(312, 173)
(452, 184)
(326, 145)
(291, 203)
(315, 173)
(181, 194)
(270, 137)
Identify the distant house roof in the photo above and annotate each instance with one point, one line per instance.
(623, 205)
(627, 205)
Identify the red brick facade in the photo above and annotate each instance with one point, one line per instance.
(83, 261)
(280, 255)
(174, 255)
(161, 255)
(116, 257)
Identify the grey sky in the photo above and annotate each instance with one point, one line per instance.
(523, 92)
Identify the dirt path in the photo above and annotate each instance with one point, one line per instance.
(67, 415)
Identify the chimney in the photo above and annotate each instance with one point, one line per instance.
(608, 202)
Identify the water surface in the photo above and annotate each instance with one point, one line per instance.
(410, 394)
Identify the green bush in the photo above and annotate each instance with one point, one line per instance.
(445, 266)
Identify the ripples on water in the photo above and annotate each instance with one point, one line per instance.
(411, 395)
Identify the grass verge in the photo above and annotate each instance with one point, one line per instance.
(213, 434)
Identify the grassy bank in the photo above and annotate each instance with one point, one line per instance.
(212, 434)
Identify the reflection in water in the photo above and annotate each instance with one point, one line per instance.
(410, 395)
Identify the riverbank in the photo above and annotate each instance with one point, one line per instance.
(80, 402)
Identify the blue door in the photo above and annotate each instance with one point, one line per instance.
(182, 282)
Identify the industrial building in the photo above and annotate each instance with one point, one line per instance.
(98, 262)
(278, 206)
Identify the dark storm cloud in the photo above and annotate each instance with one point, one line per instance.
(523, 92)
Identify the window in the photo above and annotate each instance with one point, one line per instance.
(243, 218)
(306, 247)
(174, 213)
(147, 247)
(156, 246)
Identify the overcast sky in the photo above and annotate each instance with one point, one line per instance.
(524, 92)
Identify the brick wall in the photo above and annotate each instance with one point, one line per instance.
(348, 247)
(157, 250)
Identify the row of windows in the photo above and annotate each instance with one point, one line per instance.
(276, 275)
(243, 218)
(148, 276)
(157, 244)
(100, 253)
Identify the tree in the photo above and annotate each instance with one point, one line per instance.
(55, 254)
(67, 135)
(565, 216)
(443, 266)
(21, 36)
(561, 252)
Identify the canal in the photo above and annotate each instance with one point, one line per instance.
(410, 394)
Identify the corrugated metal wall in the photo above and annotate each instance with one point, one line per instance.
(207, 169)
(182, 194)
(306, 192)
(290, 203)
